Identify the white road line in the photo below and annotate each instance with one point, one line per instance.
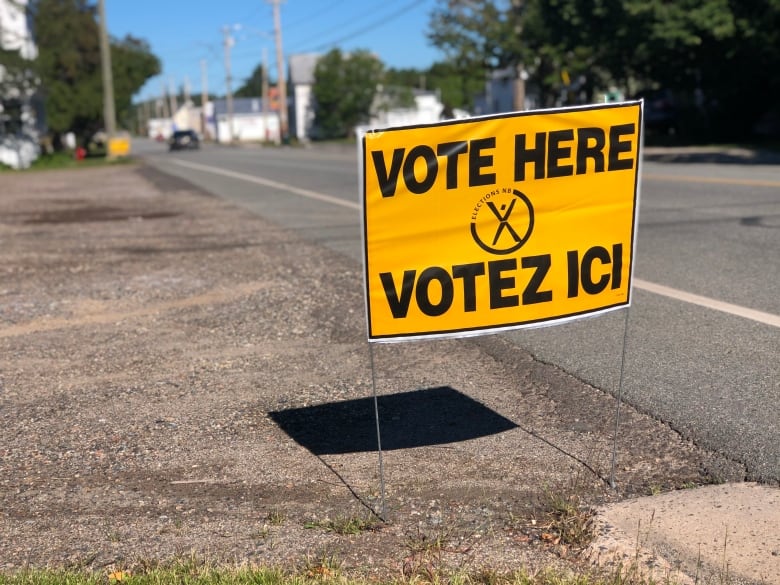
(680, 295)
(269, 183)
(717, 180)
(759, 316)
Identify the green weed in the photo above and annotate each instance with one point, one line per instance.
(345, 525)
(275, 517)
(566, 519)
(323, 571)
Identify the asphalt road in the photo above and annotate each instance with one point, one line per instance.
(702, 338)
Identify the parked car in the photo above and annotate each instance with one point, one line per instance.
(184, 140)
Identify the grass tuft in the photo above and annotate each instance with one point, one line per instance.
(346, 525)
(566, 522)
(322, 571)
(66, 160)
(275, 517)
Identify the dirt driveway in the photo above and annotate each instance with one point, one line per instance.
(177, 377)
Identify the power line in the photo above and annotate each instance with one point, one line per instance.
(313, 15)
(209, 52)
(377, 23)
(361, 31)
(252, 14)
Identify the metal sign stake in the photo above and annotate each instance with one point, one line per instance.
(383, 513)
(612, 483)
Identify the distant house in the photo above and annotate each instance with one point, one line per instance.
(15, 30)
(159, 128)
(499, 95)
(21, 109)
(248, 123)
(426, 108)
(188, 117)
(301, 79)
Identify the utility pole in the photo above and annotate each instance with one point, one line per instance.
(147, 116)
(164, 100)
(229, 93)
(109, 115)
(204, 97)
(172, 97)
(280, 70)
(265, 93)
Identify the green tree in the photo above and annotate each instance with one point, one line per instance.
(344, 90)
(253, 86)
(715, 54)
(132, 64)
(746, 85)
(456, 88)
(66, 32)
(482, 36)
(407, 77)
(647, 41)
(69, 64)
(472, 33)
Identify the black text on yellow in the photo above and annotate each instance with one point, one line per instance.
(558, 153)
(434, 288)
(501, 274)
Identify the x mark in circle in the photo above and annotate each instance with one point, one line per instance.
(503, 220)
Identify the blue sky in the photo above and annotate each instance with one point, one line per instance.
(182, 33)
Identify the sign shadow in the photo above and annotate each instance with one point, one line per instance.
(420, 418)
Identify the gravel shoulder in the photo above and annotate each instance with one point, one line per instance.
(180, 377)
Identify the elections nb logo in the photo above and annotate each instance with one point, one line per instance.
(502, 221)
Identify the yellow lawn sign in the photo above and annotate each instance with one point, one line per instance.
(486, 224)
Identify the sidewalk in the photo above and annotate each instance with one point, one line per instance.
(726, 533)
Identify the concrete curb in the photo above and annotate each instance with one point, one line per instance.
(722, 533)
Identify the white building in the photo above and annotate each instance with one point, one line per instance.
(301, 82)
(15, 34)
(499, 94)
(20, 111)
(248, 122)
(427, 107)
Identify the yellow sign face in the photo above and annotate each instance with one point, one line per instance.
(119, 146)
(519, 220)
